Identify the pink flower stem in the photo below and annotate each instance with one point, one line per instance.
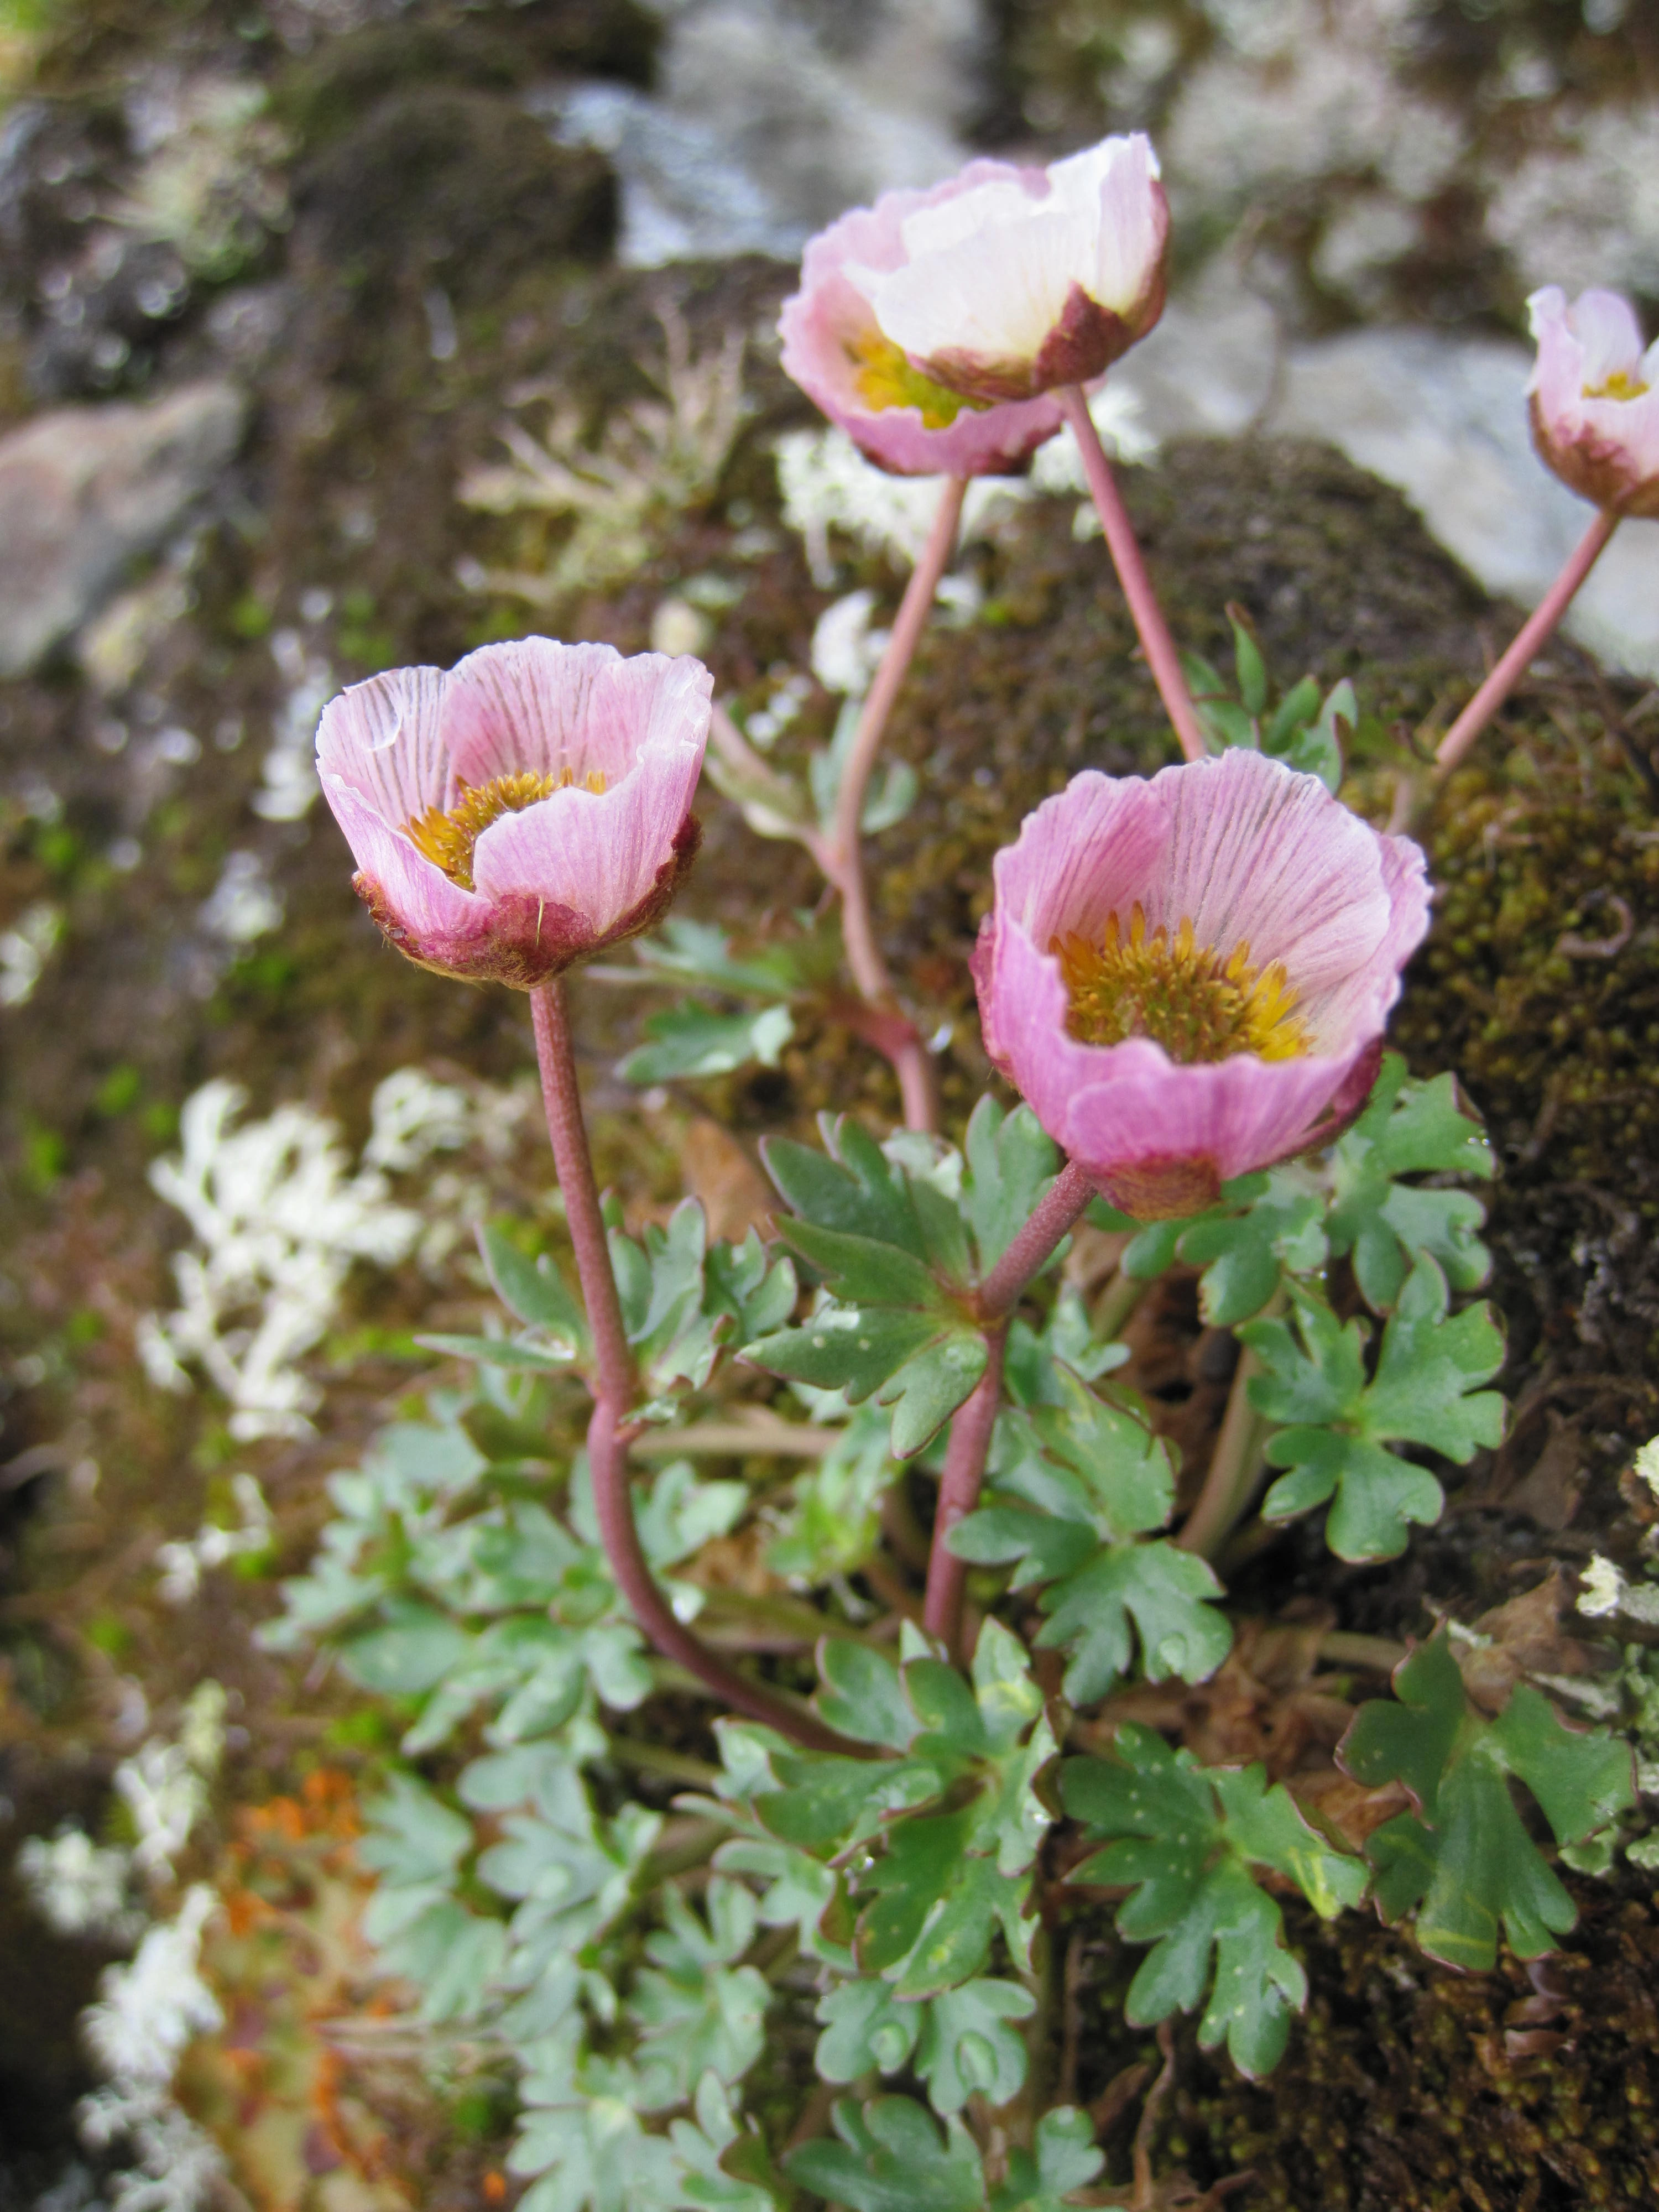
(1155, 639)
(611, 1431)
(843, 863)
(1057, 1214)
(971, 1430)
(1530, 636)
(958, 1494)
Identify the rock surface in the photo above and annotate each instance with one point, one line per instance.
(85, 490)
(1445, 419)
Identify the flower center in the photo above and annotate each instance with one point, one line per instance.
(1182, 995)
(448, 839)
(1621, 384)
(886, 378)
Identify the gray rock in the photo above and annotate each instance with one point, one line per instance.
(1208, 369)
(86, 490)
(1445, 420)
(773, 120)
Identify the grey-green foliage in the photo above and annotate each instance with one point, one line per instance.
(1074, 1489)
(899, 1234)
(692, 1039)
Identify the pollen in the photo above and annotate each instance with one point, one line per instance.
(448, 839)
(1196, 1002)
(1619, 385)
(886, 378)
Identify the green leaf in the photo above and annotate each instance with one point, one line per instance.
(833, 1522)
(701, 952)
(968, 2046)
(865, 2028)
(889, 2158)
(532, 1289)
(415, 1648)
(1010, 1162)
(1424, 1392)
(1408, 1128)
(1071, 1485)
(696, 2012)
(691, 1041)
(1252, 669)
(1170, 1595)
(1185, 1840)
(1067, 2160)
(862, 1695)
(1463, 1861)
(1265, 1226)
(500, 1351)
(413, 1838)
(918, 1361)
(682, 1300)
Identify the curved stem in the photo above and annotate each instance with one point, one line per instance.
(1232, 1470)
(1530, 636)
(842, 861)
(1155, 639)
(958, 1494)
(609, 1432)
(1056, 1216)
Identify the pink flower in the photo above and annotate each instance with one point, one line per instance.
(1187, 978)
(1594, 397)
(1008, 281)
(834, 348)
(521, 810)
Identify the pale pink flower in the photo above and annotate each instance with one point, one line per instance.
(1595, 398)
(522, 810)
(836, 350)
(1232, 908)
(1012, 281)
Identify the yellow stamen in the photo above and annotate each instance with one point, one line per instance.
(1619, 385)
(448, 839)
(1189, 999)
(886, 378)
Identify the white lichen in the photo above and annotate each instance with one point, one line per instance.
(1604, 1591)
(1583, 208)
(79, 1887)
(289, 786)
(280, 1217)
(184, 1564)
(1647, 1465)
(653, 459)
(244, 905)
(25, 948)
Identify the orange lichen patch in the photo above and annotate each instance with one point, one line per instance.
(313, 2112)
(886, 378)
(447, 838)
(1198, 1004)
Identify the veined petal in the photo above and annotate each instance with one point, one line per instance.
(603, 851)
(1240, 861)
(1605, 325)
(385, 738)
(421, 895)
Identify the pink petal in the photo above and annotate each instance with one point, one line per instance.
(598, 854)
(422, 898)
(1605, 325)
(823, 322)
(385, 738)
(537, 705)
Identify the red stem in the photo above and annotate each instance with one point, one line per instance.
(958, 1494)
(1056, 1216)
(844, 862)
(609, 1431)
(1530, 636)
(1155, 639)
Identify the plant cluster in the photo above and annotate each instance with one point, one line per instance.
(932, 1747)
